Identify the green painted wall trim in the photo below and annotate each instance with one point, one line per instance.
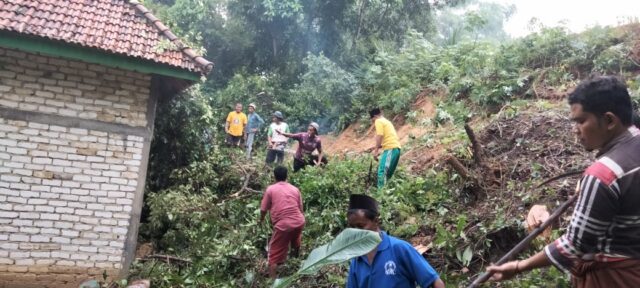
(61, 49)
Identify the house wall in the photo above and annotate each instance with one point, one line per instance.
(74, 141)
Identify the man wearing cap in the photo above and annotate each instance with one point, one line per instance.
(394, 263)
(234, 126)
(284, 202)
(253, 126)
(308, 142)
(387, 139)
(276, 142)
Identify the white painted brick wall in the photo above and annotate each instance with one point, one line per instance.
(55, 193)
(70, 88)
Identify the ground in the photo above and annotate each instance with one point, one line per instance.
(351, 141)
(522, 145)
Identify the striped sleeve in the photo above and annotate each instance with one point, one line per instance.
(591, 218)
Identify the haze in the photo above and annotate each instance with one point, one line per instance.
(578, 15)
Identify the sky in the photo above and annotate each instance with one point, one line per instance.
(578, 14)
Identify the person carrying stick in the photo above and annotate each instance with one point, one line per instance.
(601, 246)
(388, 141)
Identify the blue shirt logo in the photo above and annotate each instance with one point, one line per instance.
(390, 268)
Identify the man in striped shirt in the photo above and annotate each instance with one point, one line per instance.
(601, 246)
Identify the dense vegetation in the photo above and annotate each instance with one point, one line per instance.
(329, 62)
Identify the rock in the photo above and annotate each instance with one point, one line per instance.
(142, 283)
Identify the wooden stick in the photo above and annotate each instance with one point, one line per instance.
(369, 175)
(166, 258)
(455, 163)
(475, 145)
(526, 241)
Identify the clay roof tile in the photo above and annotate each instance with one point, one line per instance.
(120, 26)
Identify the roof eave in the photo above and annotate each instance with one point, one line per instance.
(62, 49)
(205, 65)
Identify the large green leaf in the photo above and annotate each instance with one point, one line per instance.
(348, 244)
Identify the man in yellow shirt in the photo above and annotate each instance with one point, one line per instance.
(234, 127)
(387, 139)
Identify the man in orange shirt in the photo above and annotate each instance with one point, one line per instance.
(234, 127)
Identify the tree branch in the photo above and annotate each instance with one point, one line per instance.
(475, 145)
(462, 171)
(167, 259)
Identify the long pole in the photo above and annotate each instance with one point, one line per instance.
(526, 241)
(369, 175)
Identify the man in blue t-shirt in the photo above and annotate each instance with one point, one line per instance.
(394, 263)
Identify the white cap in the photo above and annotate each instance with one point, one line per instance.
(315, 126)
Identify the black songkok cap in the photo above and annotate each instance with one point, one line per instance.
(360, 201)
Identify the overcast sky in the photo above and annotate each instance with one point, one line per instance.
(579, 14)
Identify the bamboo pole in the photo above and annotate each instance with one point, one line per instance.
(526, 241)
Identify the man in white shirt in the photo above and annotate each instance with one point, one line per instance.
(277, 142)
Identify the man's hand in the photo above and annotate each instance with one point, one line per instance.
(376, 153)
(537, 215)
(254, 130)
(505, 271)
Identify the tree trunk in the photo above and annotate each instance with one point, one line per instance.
(355, 39)
(274, 45)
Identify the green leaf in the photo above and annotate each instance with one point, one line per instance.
(348, 244)
(467, 256)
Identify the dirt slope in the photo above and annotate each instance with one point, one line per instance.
(351, 142)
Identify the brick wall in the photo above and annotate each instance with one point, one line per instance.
(31, 82)
(67, 193)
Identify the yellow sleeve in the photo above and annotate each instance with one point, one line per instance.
(379, 128)
(230, 117)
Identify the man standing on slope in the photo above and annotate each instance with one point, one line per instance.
(276, 141)
(601, 246)
(254, 124)
(307, 143)
(284, 202)
(387, 139)
(234, 126)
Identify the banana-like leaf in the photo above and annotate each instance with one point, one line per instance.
(348, 244)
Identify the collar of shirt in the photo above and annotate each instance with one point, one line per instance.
(384, 245)
(630, 133)
(308, 136)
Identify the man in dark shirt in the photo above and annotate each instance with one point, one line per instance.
(601, 246)
(307, 143)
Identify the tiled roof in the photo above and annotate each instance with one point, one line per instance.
(118, 26)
